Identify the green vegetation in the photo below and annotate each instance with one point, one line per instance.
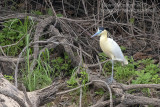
(16, 31)
(72, 82)
(40, 76)
(132, 20)
(36, 12)
(45, 71)
(84, 79)
(9, 77)
(75, 79)
(123, 48)
(12, 32)
(100, 92)
(149, 73)
(61, 64)
(79, 79)
(140, 72)
(124, 73)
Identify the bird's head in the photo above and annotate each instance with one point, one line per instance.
(100, 31)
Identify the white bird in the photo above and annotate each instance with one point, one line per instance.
(110, 48)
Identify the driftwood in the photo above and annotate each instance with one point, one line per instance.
(11, 96)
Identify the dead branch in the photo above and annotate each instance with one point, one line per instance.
(37, 98)
(43, 96)
(12, 59)
(135, 86)
(39, 29)
(129, 99)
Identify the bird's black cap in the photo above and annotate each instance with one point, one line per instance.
(101, 28)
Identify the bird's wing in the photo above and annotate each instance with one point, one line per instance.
(115, 50)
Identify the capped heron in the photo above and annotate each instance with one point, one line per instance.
(110, 48)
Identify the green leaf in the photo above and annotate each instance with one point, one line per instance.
(132, 20)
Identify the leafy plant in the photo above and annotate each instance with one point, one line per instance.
(84, 78)
(100, 92)
(132, 20)
(40, 76)
(50, 11)
(140, 72)
(44, 72)
(147, 75)
(9, 77)
(12, 32)
(123, 48)
(59, 15)
(61, 65)
(72, 82)
(124, 73)
(36, 12)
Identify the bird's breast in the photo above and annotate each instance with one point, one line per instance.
(106, 47)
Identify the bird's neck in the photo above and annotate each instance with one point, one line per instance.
(103, 36)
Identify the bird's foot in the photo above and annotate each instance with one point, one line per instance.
(110, 80)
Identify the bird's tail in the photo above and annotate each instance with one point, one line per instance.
(125, 61)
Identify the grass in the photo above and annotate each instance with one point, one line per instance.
(45, 71)
(13, 30)
(140, 72)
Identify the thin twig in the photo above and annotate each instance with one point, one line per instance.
(67, 91)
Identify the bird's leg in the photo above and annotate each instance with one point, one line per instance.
(112, 71)
(111, 79)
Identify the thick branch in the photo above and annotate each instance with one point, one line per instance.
(129, 99)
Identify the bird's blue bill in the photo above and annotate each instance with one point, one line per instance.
(97, 33)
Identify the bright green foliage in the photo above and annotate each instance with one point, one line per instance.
(149, 73)
(124, 73)
(100, 91)
(59, 15)
(8, 77)
(12, 32)
(60, 65)
(132, 20)
(79, 79)
(143, 78)
(40, 76)
(36, 12)
(82, 78)
(141, 72)
(50, 11)
(123, 48)
(72, 82)
(38, 79)
(45, 69)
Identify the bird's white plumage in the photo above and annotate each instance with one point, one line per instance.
(111, 49)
